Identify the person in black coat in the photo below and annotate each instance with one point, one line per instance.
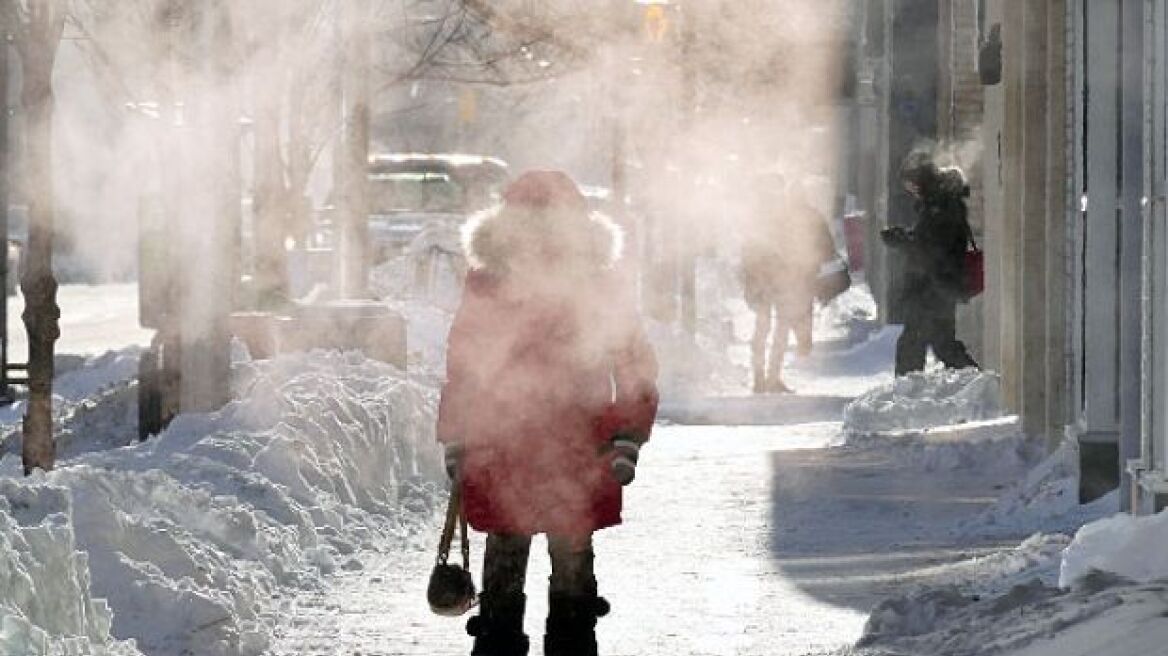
(934, 254)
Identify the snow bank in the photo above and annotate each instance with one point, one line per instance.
(46, 606)
(1101, 615)
(1046, 500)
(1124, 545)
(193, 536)
(95, 405)
(996, 572)
(921, 400)
(98, 373)
(979, 447)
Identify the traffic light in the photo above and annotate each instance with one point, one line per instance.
(656, 21)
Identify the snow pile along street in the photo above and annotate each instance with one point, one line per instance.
(940, 420)
(1007, 601)
(1124, 545)
(95, 406)
(45, 602)
(923, 400)
(1105, 591)
(1096, 610)
(196, 536)
(1046, 500)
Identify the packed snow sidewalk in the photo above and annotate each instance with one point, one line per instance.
(701, 566)
(189, 544)
(759, 540)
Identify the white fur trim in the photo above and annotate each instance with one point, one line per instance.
(492, 239)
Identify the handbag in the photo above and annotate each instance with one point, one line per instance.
(451, 591)
(833, 280)
(974, 271)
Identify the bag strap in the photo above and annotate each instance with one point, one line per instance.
(454, 515)
(969, 234)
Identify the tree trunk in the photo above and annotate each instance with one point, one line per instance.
(209, 217)
(41, 314)
(271, 212)
(353, 201)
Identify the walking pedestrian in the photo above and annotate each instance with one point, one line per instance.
(550, 395)
(785, 244)
(934, 255)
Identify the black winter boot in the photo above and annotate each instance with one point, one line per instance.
(498, 629)
(571, 624)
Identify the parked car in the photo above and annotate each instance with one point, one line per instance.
(413, 193)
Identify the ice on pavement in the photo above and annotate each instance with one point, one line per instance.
(194, 537)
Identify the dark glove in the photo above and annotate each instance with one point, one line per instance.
(895, 235)
(453, 459)
(626, 450)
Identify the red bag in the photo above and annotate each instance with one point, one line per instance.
(974, 272)
(855, 234)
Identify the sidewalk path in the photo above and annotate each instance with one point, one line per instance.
(745, 541)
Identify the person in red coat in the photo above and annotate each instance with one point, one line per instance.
(550, 394)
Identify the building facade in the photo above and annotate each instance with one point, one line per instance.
(1068, 150)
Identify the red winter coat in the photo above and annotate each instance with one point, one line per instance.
(544, 366)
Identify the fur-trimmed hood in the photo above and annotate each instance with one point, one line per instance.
(506, 238)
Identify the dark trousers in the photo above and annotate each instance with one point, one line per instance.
(573, 604)
(936, 328)
(505, 565)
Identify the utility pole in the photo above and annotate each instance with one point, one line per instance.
(353, 200)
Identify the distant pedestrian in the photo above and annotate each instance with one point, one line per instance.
(550, 394)
(785, 243)
(934, 255)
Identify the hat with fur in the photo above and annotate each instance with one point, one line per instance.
(544, 221)
(544, 190)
